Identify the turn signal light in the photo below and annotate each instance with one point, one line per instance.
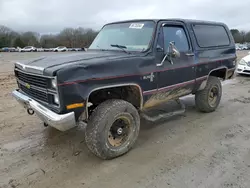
(76, 105)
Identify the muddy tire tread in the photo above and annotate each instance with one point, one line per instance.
(92, 134)
(202, 96)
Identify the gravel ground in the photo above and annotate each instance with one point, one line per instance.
(192, 150)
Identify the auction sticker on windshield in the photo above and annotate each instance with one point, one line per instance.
(136, 25)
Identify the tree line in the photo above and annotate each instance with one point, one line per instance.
(69, 37)
(241, 36)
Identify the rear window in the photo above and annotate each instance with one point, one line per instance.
(211, 35)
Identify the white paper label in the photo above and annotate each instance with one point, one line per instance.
(136, 25)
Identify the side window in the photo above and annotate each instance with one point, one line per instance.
(211, 35)
(176, 34)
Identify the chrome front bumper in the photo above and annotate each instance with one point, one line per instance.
(61, 122)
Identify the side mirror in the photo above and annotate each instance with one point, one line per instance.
(170, 52)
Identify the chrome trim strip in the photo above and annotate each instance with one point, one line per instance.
(35, 69)
(201, 78)
(187, 82)
(38, 75)
(32, 86)
(149, 91)
(162, 88)
(45, 90)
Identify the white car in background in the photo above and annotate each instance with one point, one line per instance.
(40, 49)
(60, 49)
(243, 66)
(28, 49)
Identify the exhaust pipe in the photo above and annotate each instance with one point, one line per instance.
(30, 111)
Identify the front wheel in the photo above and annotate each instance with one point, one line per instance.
(208, 99)
(112, 129)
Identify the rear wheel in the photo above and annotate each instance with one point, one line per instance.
(112, 129)
(208, 99)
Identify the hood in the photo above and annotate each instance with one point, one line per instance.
(246, 58)
(41, 64)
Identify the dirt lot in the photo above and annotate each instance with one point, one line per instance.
(193, 150)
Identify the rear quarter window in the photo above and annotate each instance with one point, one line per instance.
(211, 35)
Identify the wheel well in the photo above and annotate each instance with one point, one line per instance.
(130, 93)
(221, 73)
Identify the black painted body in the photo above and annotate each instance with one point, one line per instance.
(81, 73)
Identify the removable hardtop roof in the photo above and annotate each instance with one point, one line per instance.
(187, 21)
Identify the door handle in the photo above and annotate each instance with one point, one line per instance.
(189, 54)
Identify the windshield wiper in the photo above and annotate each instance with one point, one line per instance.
(120, 47)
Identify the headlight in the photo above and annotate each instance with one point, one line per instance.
(56, 99)
(53, 83)
(242, 62)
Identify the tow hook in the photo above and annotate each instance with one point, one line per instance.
(30, 111)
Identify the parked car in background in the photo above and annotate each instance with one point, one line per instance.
(48, 49)
(18, 49)
(80, 49)
(60, 49)
(237, 47)
(40, 49)
(28, 49)
(248, 45)
(8, 49)
(5, 49)
(12, 49)
(243, 66)
(75, 49)
(244, 47)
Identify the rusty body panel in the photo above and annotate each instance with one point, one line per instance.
(163, 97)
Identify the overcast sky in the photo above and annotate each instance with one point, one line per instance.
(50, 16)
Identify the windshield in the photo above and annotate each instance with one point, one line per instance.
(60, 47)
(134, 36)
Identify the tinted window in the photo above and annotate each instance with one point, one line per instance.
(211, 35)
(176, 34)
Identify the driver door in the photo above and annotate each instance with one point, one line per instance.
(176, 75)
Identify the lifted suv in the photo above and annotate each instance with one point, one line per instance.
(130, 68)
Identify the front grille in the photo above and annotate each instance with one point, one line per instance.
(32, 79)
(33, 85)
(35, 93)
(246, 71)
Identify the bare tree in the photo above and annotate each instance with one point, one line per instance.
(30, 38)
(79, 37)
(5, 36)
(247, 37)
(69, 37)
(49, 41)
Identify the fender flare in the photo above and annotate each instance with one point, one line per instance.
(204, 83)
(112, 86)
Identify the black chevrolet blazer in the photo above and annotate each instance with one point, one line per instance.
(131, 69)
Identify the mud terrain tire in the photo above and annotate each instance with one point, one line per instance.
(202, 98)
(101, 122)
